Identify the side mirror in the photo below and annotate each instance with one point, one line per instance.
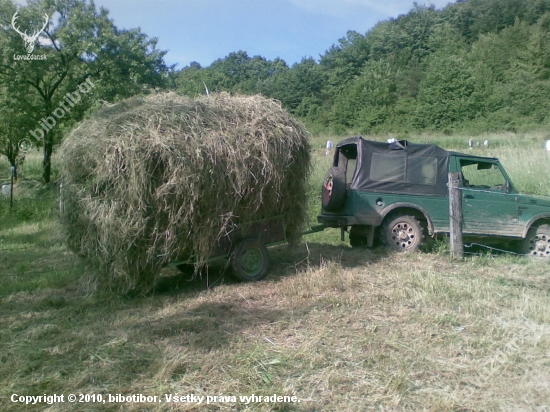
(507, 187)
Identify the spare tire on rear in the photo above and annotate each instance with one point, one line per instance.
(334, 189)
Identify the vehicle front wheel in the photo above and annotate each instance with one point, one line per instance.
(537, 242)
(403, 233)
(250, 260)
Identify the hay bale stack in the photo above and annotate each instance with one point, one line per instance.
(155, 178)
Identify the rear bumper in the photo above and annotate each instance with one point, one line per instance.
(336, 221)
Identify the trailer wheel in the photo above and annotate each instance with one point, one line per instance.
(334, 189)
(403, 233)
(250, 260)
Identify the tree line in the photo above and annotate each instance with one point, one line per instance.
(477, 65)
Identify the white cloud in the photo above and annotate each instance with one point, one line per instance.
(343, 8)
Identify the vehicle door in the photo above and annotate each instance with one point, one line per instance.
(488, 207)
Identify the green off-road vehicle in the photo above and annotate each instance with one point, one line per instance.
(397, 192)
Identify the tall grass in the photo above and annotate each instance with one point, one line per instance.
(528, 169)
(321, 164)
(30, 166)
(32, 200)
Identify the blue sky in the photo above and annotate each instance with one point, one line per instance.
(205, 30)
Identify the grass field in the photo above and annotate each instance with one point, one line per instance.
(339, 329)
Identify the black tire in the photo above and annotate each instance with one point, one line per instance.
(357, 237)
(403, 233)
(537, 242)
(250, 260)
(334, 189)
(186, 268)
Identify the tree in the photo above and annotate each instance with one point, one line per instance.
(84, 54)
(13, 127)
(344, 61)
(291, 86)
(236, 73)
(367, 101)
(194, 80)
(447, 93)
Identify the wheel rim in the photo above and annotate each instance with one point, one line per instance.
(328, 188)
(252, 261)
(539, 245)
(404, 236)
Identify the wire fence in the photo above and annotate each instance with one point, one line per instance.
(503, 251)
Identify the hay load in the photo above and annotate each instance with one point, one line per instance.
(155, 178)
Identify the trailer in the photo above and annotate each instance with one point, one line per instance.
(246, 245)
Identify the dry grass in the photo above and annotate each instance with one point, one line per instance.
(342, 329)
(157, 178)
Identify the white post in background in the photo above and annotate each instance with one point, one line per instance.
(329, 147)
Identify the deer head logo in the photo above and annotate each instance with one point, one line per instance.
(30, 41)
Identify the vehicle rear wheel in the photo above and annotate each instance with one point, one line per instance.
(334, 189)
(403, 233)
(250, 260)
(357, 237)
(537, 242)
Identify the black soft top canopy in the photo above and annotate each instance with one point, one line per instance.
(398, 167)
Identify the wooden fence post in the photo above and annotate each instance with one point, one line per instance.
(61, 201)
(11, 188)
(455, 216)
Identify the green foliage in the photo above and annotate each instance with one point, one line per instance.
(447, 94)
(304, 81)
(477, 65)
(366, 102)
(80, 42)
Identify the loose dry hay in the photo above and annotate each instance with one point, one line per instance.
(153, 179)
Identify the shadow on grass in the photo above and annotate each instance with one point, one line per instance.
(211, 325)
(285, 261)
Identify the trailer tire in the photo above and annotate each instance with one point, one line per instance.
(250, 260)
(334, 189)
